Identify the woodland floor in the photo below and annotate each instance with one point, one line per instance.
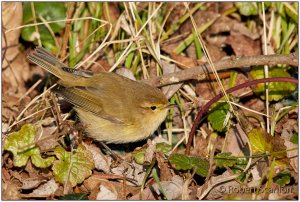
(236, 154)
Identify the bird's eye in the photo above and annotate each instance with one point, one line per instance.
(153, 108)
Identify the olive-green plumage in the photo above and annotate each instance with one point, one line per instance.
(113, 108)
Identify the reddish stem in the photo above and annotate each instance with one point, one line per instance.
(203, 110)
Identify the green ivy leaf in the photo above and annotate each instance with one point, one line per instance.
(260, 142)
(183, 162)
(76, 196)
(50, 11)
(283, 178)
(29, 34)
(277, 90)
(225, 160)
(163, 147)
(139, 155)
(247, 8)
(218, 115)
(22, 145)
(72, 167)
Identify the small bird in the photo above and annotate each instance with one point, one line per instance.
(114, 109)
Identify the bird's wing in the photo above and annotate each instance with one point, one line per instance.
(85, 100)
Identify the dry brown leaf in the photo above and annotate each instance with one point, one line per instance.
(45, 190)
(201, 142)
(187, 62)
(243, 45)
(177, 10)
(19, 175)
(187, 194)
(16, 74)
(106, 194)
(10, 191)
(236, 142)
(93, 182)
(293, 154)
(30, 183)
(149, 153)
(200, 17)
(102, 162)
(216, 35)
(146, 194)
(170, 90)
(255, 104)
(13, 79)
(34, 172)
(171, 45)
(218, 190)
(226, 24)
(205, 89)
(125, 25)
(164, 167)
(46, 139)
(132, 171)
(12, 16)
(173, 188)
(291, 126)
(240, 28)
(8, 112)
(216, 40)
(222, 25)
(215, 52)
(256, 177)
(126, 73)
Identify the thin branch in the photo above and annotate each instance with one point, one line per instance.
(67, 30)
(199, 72)
(203, 110)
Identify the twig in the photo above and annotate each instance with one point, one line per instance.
(35, 22)
(230, 90)
(30, 90)
(199, 72)
(5, 42)
(34, 100)
(31, 115)
(67, 30)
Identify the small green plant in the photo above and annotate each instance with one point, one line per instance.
(22, 145)
(184, 162)
(72, 167)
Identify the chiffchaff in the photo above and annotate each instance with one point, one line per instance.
(113, 108)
